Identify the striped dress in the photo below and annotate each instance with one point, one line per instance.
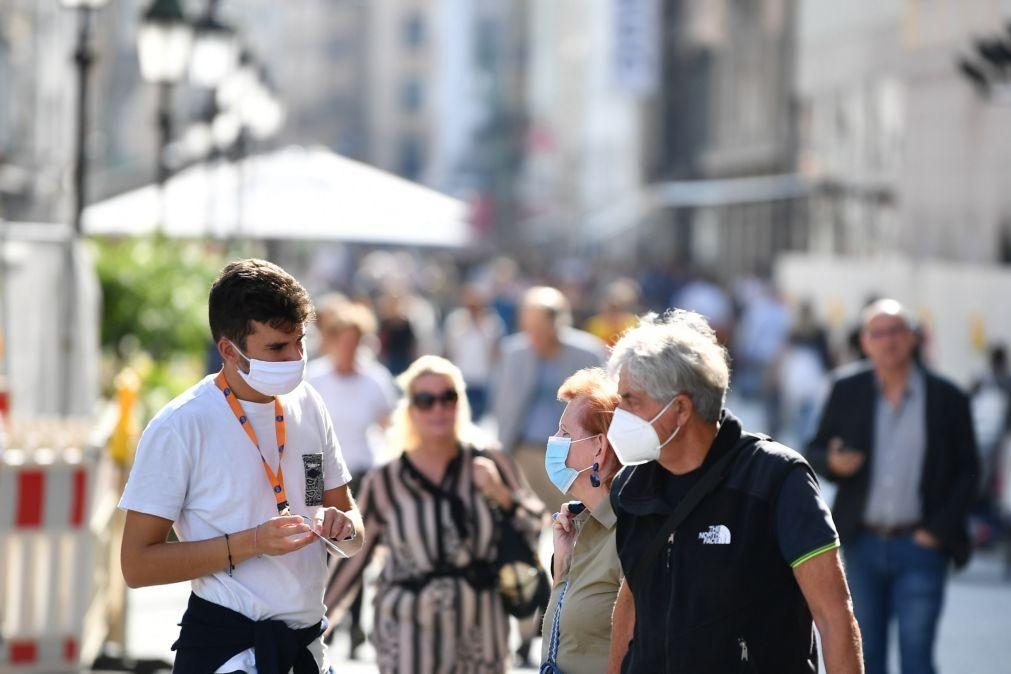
(445, 624)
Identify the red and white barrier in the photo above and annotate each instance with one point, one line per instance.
(54, 510)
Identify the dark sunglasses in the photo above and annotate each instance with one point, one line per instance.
(425, 401)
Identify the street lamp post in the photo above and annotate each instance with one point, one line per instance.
(84, 57)
(215, 50)
(163, 45)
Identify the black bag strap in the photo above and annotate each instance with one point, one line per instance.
(706, 484)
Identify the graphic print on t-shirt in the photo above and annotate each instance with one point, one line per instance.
(313, 465)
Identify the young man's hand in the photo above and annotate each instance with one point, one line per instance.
(281, 535)
(334, 524)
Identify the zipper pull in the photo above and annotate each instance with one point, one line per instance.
(670, 544)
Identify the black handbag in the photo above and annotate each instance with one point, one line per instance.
(522, 581)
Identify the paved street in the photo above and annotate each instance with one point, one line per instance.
(975, 631)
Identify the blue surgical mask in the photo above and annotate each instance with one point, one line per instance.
(554, 462)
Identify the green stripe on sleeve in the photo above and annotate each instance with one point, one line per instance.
(814, 553)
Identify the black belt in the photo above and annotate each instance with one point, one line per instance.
(898, 531)
(479, 575)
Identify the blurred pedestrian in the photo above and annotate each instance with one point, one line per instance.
(617, 311)
(991, 414)
(809, 333)
(803, 370)
(504, 276)
(473, 334)
(534, 364)
(398, 342)
(213, 466)
(898, 441)
(759, 343)
(437, 511)
(359, 397)
(586, 572)
(727, 546)
(704, 295)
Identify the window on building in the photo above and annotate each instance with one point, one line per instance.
(414, 31)
(411, 157)
(411, 95)
(487, 46)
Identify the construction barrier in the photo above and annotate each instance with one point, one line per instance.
(57, 496)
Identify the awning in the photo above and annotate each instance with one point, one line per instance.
(626, 213)
(295, 193)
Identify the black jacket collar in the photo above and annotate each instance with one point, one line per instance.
(641, 489)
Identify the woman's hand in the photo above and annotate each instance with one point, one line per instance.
(489, 482)
(563, 530)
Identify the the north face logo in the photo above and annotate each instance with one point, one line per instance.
(717, 534)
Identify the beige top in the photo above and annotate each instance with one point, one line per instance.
(593, 580)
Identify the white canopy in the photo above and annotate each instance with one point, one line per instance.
(295, 193)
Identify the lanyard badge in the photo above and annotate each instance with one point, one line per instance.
(276, 479)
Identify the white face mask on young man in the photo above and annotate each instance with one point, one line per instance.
(634, 439)
(273, 378)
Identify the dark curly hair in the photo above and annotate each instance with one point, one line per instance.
(255, 290)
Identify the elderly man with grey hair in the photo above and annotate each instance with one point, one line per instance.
(898, 441)
(727, 547)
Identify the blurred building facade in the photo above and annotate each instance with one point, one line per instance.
(314, 52)
(36, 99)
(592, 65)
(417, 60)
(38, 88)
(311, 52)
(725, 112)
(444, 93)
(906, 157)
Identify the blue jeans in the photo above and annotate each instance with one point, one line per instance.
(477, 396)
(896, 577)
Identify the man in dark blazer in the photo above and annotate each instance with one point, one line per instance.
(898, 441)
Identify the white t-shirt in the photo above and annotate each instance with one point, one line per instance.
(356, 403)
(471, 344)
(196, 466)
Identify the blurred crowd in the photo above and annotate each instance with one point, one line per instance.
(517, 333)
(783, 349)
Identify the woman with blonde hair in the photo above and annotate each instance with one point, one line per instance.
(437, 510)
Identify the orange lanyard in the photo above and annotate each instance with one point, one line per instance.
(276, 480)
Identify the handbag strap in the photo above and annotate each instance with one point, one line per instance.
(706, 484)
(550, 665)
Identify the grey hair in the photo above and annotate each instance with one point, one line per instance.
(887, 307)
(675, 353)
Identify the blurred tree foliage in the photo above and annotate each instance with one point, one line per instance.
(154, 315)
